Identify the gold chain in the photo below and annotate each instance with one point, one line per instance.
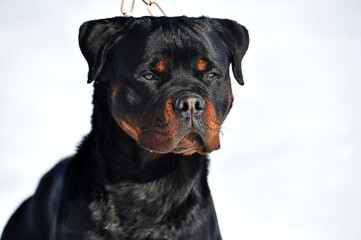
(149, 4)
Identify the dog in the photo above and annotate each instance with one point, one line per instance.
(162, 90)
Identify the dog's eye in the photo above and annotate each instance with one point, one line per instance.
(149, 76)
(211, 75)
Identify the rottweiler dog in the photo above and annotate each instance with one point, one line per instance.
(161, 92)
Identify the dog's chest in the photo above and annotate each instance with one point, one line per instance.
(140, 218)
(145, 211)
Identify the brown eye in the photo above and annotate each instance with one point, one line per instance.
(149, 76)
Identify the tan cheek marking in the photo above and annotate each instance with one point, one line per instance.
(130, 130)
(229, 94)
(162, 134)
(160, 66)
(114, 92)
(210, 113)
(201, 65)
(169, 117)
(212, 134)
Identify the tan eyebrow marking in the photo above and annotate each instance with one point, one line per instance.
(201, 65)
(160, 66)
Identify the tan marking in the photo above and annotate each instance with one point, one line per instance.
(170, 123)
(201, 65)
(160, 66)
(212, 134)
(229, 94)
(114, 92)
(129, 129)
(162, 135)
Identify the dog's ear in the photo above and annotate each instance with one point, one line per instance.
(96, 38)
(236, 38)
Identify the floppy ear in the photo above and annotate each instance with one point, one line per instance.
(236, 38)
(96, 38)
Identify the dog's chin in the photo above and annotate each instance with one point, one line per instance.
(191, 142)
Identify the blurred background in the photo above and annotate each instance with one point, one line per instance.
(289, 166)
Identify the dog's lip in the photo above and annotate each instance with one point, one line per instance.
(190, 134)
(181, 150)
(190, 137)
(184, 150)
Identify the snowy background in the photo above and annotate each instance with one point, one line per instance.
(289, 166)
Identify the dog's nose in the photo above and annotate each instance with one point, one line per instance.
(189, 104)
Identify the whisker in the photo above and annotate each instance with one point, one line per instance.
(221, 132)
(147, 129)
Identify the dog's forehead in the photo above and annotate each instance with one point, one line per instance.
(185, 36)
(178, 34)
(176, 38)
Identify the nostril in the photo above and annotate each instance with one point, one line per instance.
(181, 105)
(185, 106)
(199, 105)
(189, 104)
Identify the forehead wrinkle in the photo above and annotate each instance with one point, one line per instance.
(178, 32)
(185, 42)
(175, 46)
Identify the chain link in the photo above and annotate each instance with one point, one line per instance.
(149, 4)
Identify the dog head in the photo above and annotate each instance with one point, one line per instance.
(167, 78)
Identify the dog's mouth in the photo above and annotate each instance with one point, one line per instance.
(182, 137)
(191, 143)
(177, 137)
(169, 132)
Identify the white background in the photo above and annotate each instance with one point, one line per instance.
(289, 166)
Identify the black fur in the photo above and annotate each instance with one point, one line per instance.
(141, 173)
